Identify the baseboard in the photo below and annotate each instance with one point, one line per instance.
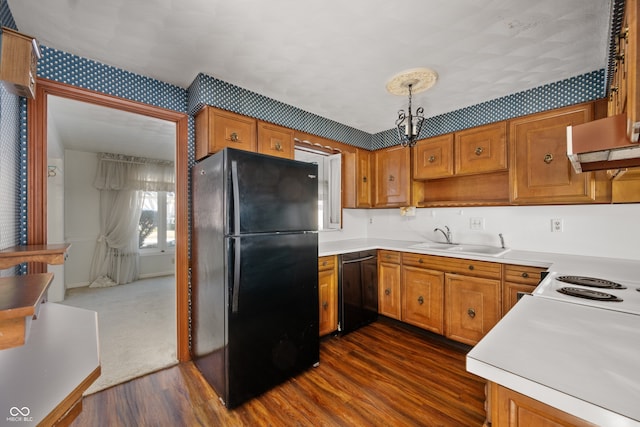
(151, 275)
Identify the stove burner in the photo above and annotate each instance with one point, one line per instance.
(589, 294)
(591, 282)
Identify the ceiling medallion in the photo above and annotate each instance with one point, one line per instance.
(408, 82)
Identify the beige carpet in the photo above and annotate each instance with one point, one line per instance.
(136, 327)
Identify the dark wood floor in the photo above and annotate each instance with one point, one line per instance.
(384, 375)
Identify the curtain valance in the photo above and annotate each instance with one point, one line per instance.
(121, 172)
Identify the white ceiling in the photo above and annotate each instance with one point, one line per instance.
(94, 128)
(333, 57)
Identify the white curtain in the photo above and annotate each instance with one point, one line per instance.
(121, 180)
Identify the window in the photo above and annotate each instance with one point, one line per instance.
(329, 194)
(158, 221)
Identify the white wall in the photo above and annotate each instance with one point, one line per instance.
(55, 211)
(611, 231)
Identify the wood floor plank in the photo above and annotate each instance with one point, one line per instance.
(383, 374)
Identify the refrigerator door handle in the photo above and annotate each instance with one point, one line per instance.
(236, 275)
(236, 197)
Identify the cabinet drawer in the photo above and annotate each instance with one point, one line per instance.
(420, 260)
(491, 270)
(326, 262)
(389, 256)
(523, 274)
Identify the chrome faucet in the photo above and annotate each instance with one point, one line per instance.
(447, 234)
(501, 240)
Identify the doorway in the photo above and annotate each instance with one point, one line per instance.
(37, 171)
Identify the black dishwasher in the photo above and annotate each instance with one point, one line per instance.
(358, 290)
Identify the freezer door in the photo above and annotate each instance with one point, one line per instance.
(273, 312)
(269, 194)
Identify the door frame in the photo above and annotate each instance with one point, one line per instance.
(37, 182)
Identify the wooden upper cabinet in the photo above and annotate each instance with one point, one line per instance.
(19, 56)
(275, 140)
(217, 129)
(540, 170)
(364, 178)
(393, 183)
(356, 178)
(481, 149)
(433, 157)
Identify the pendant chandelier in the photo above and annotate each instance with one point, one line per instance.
(409, 82)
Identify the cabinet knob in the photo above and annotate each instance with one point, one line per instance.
(471, 267)
(525, 274)
(325, 305)
(233, 137)
(387, 291)
(420, 300)
(392, 178)
(432, 159)
(471, 312)
(364, 179)
(324, 263)
(421, 261)
(278, 146)
(548, 158)
(479, 150)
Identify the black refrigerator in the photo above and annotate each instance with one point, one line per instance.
(255, 272)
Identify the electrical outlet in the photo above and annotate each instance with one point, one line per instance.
(556, 225)
(370, 220)
(476, 223)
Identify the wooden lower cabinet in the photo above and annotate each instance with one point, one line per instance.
(512, 409)
(518, 279)
(328, 294)
(423, 298)
(472, 307)
(389, 277)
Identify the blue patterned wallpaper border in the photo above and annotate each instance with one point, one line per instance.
(207, 90)
(6, 17)
(89, 74)
(582, 88)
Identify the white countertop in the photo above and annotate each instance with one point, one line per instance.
(579, 359)
(567, 263)
(582, 360)
(60, 353)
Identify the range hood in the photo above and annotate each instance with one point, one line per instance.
(602, 144)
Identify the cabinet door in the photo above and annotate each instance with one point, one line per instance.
(423, 298)
(509, 408)
(472, 307)
(481, 149)
(540, 170)
(393, 187)
(389, 275)
(275, 140)
(433, 157)
(363, 178)
(327, 292)
(217, 129)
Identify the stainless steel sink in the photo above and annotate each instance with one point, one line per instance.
(493, 251)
